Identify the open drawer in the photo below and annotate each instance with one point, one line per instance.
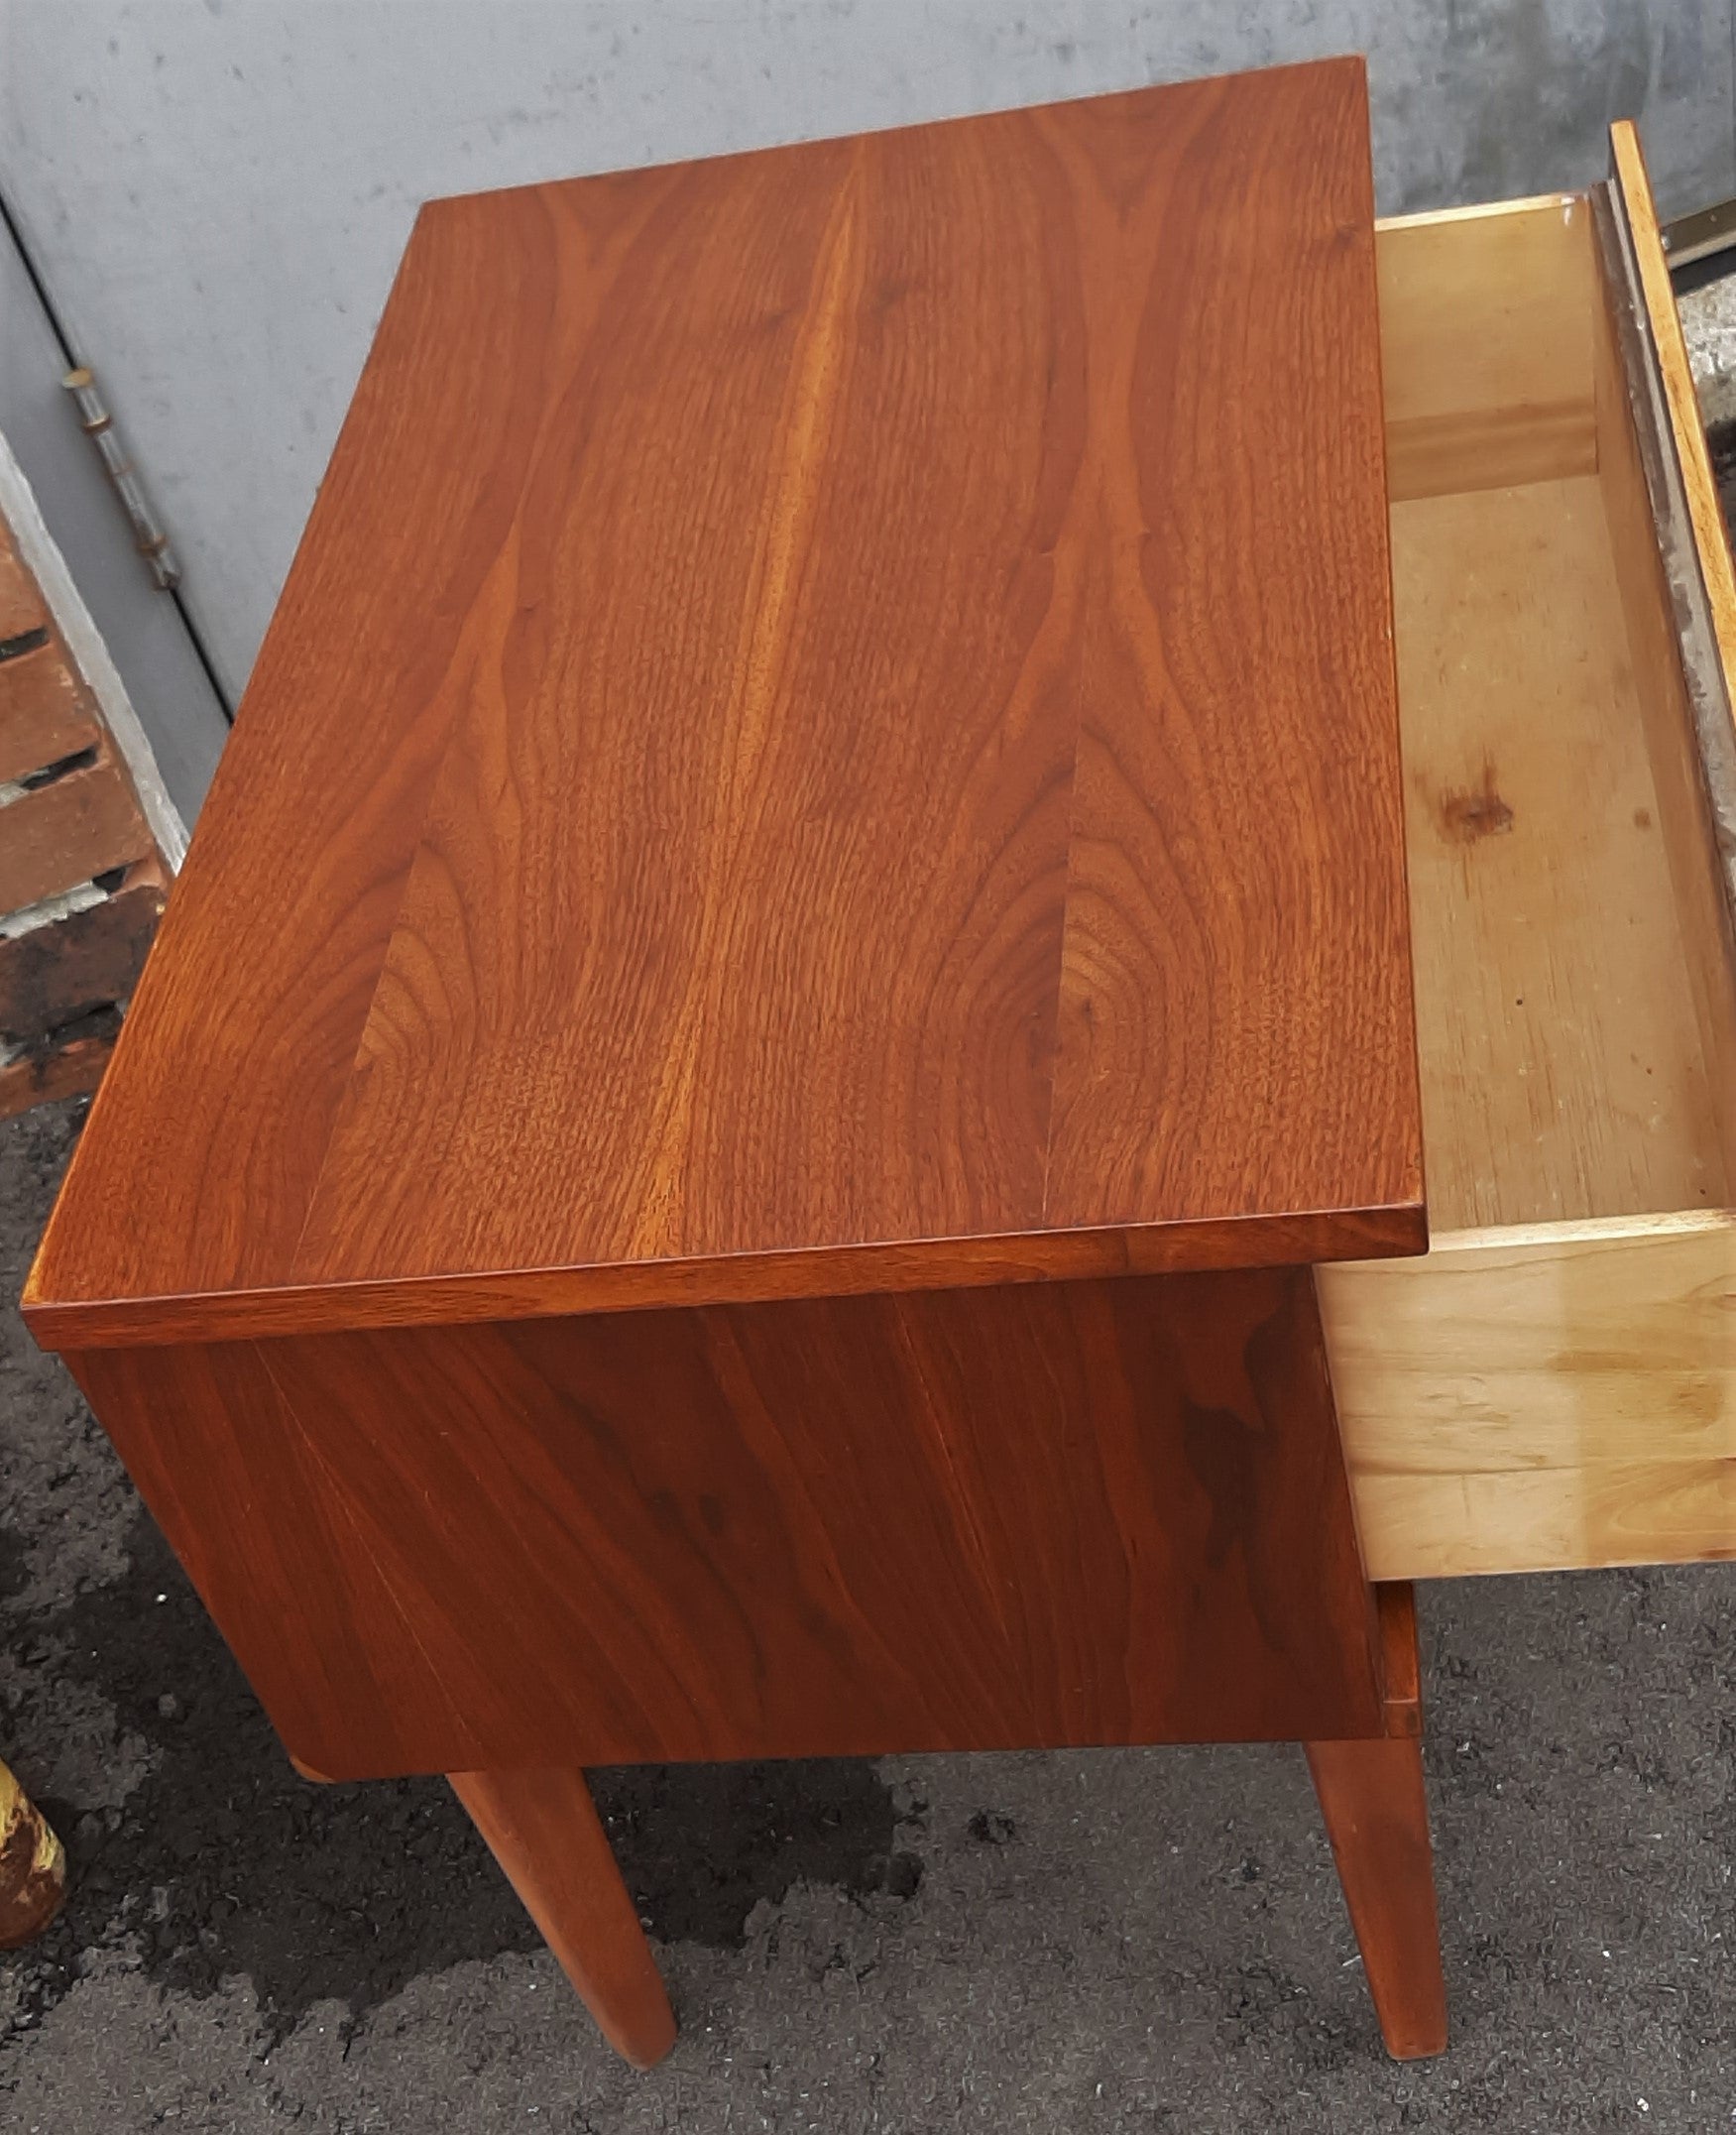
(1554, 1384)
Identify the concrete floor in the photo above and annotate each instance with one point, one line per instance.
(1708, 319)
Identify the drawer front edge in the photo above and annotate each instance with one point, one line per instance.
(1545, 1398)
(1691, 530)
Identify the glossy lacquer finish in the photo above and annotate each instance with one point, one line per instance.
(833, 729)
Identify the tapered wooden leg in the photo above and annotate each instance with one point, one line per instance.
(544, 1828)
(1371, 1795)
(1377, 1818)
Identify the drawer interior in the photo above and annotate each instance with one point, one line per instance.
(1554, 1382)
(1575, 991)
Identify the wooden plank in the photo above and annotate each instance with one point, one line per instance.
(44, 716)
(904, 846)
(1488, 448)
(542, 1293)
(62, 834)
(1704, 511)
(1209, 908)
(1067, 1514)
(58, 973)
(1539, 1519)
(89, 656)
(1681, 689)
(1481, 215)
(1562, 1068)
(1485, 333)
(70, 1069)
(1541, 1399)
(23, 618)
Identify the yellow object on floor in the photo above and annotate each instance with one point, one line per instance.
(33, 1867)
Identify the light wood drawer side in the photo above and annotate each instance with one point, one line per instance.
(1540, 1399)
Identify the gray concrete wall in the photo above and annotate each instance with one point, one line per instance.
(220, 193)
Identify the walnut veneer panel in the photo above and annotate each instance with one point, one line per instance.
(1065, 1514)
(834, 701)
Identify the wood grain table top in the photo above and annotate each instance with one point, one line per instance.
(833, 729)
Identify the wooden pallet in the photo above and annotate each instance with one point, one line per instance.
(81, 878)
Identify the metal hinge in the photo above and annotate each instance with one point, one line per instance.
(98, 425)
